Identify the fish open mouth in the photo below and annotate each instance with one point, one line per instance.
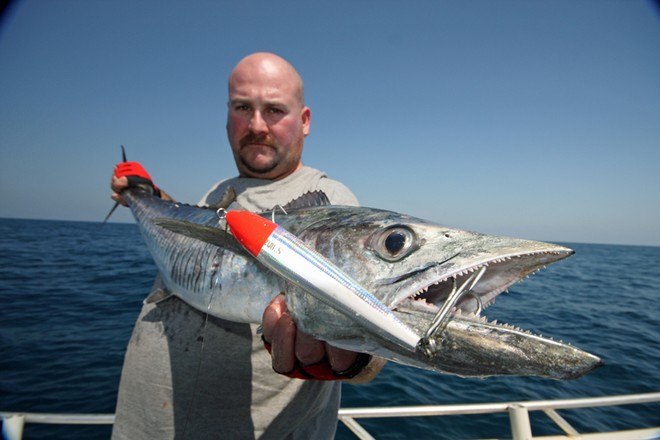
(443, 303)
(476, 286)
(457, 290)
(449, 289)
(445, 290)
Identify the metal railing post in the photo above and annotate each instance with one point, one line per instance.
(520, 426)
(12, 427)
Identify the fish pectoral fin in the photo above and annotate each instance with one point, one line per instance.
(159, 291)
(228, 197)
(208, 234)
(157, 295)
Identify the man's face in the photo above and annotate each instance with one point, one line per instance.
(266, 121)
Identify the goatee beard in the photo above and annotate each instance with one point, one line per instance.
(265, 140)
(261, 170)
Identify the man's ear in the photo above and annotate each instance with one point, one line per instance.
(306, 119)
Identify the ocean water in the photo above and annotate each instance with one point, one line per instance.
(70, 293)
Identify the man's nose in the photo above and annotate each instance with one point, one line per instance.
(257, 123)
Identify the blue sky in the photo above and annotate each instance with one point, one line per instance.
(525, 118)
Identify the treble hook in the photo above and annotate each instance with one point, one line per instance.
(272, 214)
(442, 317)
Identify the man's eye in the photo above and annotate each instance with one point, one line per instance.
(242, 108)
(276, 111)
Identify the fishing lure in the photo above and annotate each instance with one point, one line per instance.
(286, 255)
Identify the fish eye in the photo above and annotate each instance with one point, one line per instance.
(394, 243)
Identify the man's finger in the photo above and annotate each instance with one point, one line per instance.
(272, 314)
(340, 360)
(308, 349)
(283, 345)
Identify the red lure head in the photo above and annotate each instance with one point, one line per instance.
(250, 230)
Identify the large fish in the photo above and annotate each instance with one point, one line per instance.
(436, 279)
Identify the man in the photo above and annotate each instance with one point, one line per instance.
(188, 375)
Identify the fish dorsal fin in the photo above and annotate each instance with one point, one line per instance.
(208, 234)
(228, 197)
(308, 200)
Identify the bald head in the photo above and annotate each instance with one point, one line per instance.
(267, 120)
(271, 67)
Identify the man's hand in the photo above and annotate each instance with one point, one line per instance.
(118, 184)
(299, 355)
(131, 174)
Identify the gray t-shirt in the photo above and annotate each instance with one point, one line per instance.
(188, 375)
(260, 195)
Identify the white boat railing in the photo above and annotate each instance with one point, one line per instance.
(518, 415)
(13, 422)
